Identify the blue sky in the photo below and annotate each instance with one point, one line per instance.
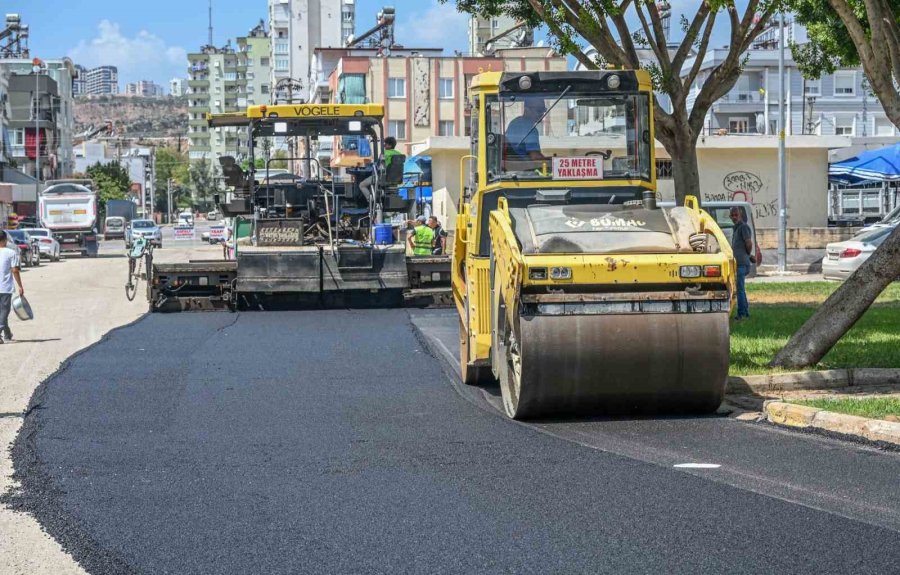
(149, 40)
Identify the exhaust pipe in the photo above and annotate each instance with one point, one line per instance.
(649, 200)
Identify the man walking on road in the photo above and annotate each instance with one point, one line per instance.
(9, 269)
(742, 246)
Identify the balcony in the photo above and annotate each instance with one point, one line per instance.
(197, 122)
(198, 83)
(199, 109)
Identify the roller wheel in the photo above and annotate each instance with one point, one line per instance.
(471, 375)
(511, 373)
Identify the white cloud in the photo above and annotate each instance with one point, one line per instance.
(143, 57)
(438, 26)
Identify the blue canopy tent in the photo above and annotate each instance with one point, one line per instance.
(882, 165)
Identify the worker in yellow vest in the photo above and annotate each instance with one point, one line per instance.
(421, 240)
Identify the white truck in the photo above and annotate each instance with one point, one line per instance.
(68, 208)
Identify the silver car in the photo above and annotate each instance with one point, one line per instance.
(49, 247)
(844, 258)
(146, 229)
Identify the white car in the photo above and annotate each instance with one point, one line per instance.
(48, 245)
(844, 258)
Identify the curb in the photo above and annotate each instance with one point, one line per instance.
(827, 379)
(790, 415)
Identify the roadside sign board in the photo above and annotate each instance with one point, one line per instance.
(217, 233)
(184, 233)
(578, 168)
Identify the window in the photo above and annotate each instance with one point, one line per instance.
(347, 16)
(264, 88)
(445, 88)
(813, 87)
(281, 64)
(18, 137)
(883, 127)
(845, 83)
(397, 129)
(230, 76)
(445, 128)
(280, 47)
(264, 62)
(396, 87)
(738, 125)
(843, 125)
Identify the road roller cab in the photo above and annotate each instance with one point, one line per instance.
(573, 288)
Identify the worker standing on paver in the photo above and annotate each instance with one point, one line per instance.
(9, 269)
(742, 246)
(421, 239)
(439, 246)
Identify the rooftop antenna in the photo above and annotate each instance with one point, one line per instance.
(210, 24)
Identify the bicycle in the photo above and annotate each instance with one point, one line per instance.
(141, 250)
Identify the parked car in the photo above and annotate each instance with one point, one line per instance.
(29, 253)
(146, 229)
(844, 258)
(721, 211)
(212, 216)
(47, 244)
(114, 228)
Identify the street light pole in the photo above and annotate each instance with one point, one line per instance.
(782, 184)
(169, 200)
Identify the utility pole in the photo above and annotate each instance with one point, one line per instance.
(782, 184)
(169, 201)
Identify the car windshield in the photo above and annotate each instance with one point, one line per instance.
(569, 136)
(114, 221)
(874, 237)
(18, 235)
(42, 233)
(142, 224)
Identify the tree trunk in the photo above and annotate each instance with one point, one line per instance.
(685, 172)
(845, 306)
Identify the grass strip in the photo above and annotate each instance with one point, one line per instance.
(871, 407)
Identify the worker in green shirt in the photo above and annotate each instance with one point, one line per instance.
(365, 186)
(421, 239)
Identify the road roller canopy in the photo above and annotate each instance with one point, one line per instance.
(588, 126)
(304, 119)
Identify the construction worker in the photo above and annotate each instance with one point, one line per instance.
(439, 246)
(365, 186)
(421, 239)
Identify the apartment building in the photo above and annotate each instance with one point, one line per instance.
(839, 104)
(483, 29)
(177, 87)
(296, 29)
(144, 88)
(56, 115)
(226, 80)
(100, 81)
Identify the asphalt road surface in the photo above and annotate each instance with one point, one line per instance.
(333, 442)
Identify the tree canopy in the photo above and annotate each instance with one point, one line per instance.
(112, 180)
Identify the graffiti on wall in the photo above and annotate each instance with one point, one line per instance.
(744, 186)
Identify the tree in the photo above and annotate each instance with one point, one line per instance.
(170, 165)
(112, 180)
(849, 33)
(604, 25)
(204, 179)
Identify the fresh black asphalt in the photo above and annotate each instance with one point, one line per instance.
(332, 442)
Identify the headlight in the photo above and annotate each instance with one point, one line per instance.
(561, 273)
(689, 271)
(537, 273)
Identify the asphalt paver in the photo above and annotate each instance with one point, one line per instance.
(333, 442)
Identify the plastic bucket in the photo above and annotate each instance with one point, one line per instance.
(384, 234)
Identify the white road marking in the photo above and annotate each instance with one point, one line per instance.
(697, 465)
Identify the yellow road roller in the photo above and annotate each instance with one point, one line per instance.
(574, 289)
